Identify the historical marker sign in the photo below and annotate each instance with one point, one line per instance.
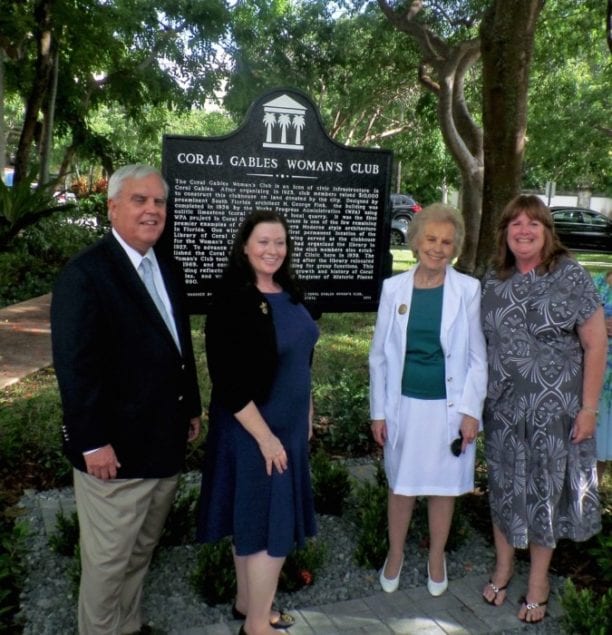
(333, 197)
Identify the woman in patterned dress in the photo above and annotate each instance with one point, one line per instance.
(546, 347)
(603, 282)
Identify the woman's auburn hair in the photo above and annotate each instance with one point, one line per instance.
(504, 261)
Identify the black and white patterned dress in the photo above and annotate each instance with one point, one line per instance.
(542, 487)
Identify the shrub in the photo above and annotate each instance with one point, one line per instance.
(371, 522)
(584, 613)
(31, 264)
(12, 548)
(331, 484)
(343, 409)
(30, 433)
(179, 527)
(213, 577)
(419, 525)
(301, 566)
(65, 539)
(602, 550)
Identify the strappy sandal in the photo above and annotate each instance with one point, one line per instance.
(530, 606)
(497, 590)
(285, 620)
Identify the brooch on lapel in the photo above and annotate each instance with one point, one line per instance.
(264, 308)
(402, 309)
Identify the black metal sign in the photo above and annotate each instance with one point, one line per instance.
(334, 198)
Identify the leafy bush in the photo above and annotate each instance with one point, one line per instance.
(331, 484)
(30, 265)
(213, 577)
(65, 539)
(179, 527)
(419, 525)
(301, 566)
(342, 406)
(371, 522)
(585, 613)
(12, 546)
(30, 432)
(602, 550)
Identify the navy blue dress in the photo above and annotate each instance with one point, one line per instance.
(238, 498)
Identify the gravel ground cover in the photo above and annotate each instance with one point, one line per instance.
(48, 603)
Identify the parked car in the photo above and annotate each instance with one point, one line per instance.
(583, 229)
(64, 197)
(401, 217)
(404, 200)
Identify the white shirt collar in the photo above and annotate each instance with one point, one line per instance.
(135, 256)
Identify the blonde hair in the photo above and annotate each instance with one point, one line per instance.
(436, 213)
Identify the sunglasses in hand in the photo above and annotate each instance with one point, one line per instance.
(455, 446)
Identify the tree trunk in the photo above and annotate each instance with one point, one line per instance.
(40, 86)
(2, 120)
(506, 33)
(46, 143)
(471, 200)
(462, 136)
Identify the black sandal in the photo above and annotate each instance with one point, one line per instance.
(285, 620)
(496, 590)
(530, 606)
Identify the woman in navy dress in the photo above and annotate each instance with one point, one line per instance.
(256, 479)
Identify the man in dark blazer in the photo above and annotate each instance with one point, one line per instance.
(130, 397)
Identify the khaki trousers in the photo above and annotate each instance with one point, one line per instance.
(121, 522)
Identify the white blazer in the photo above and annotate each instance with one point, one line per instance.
(461, 339)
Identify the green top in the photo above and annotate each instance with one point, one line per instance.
(423, 376)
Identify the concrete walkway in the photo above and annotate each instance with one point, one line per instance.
(25, 347)
(25, 342)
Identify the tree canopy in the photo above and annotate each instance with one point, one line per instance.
(96, 82)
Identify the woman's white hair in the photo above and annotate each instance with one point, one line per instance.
(436, 213)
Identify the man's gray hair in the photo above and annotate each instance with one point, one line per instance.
(132, 171)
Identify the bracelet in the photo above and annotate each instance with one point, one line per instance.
(589, 409)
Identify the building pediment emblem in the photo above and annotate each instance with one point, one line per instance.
(285, 120)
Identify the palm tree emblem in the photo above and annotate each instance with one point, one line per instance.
(269, 121)
(284, 122)
(298, 123)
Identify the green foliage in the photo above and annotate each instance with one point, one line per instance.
(65, 539)
(29, 266)
(213, 577)
(30, 433)
(330, 483)
(371, 522)
(569, 102)
(419, 525)
(12, 549)
(602, 549)
(133, 56)
(585, 613)
(22, 205)
(343, 409)
(301, 566)
(179, 527)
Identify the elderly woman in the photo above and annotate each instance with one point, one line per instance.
(546, 345)
(428, 380)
